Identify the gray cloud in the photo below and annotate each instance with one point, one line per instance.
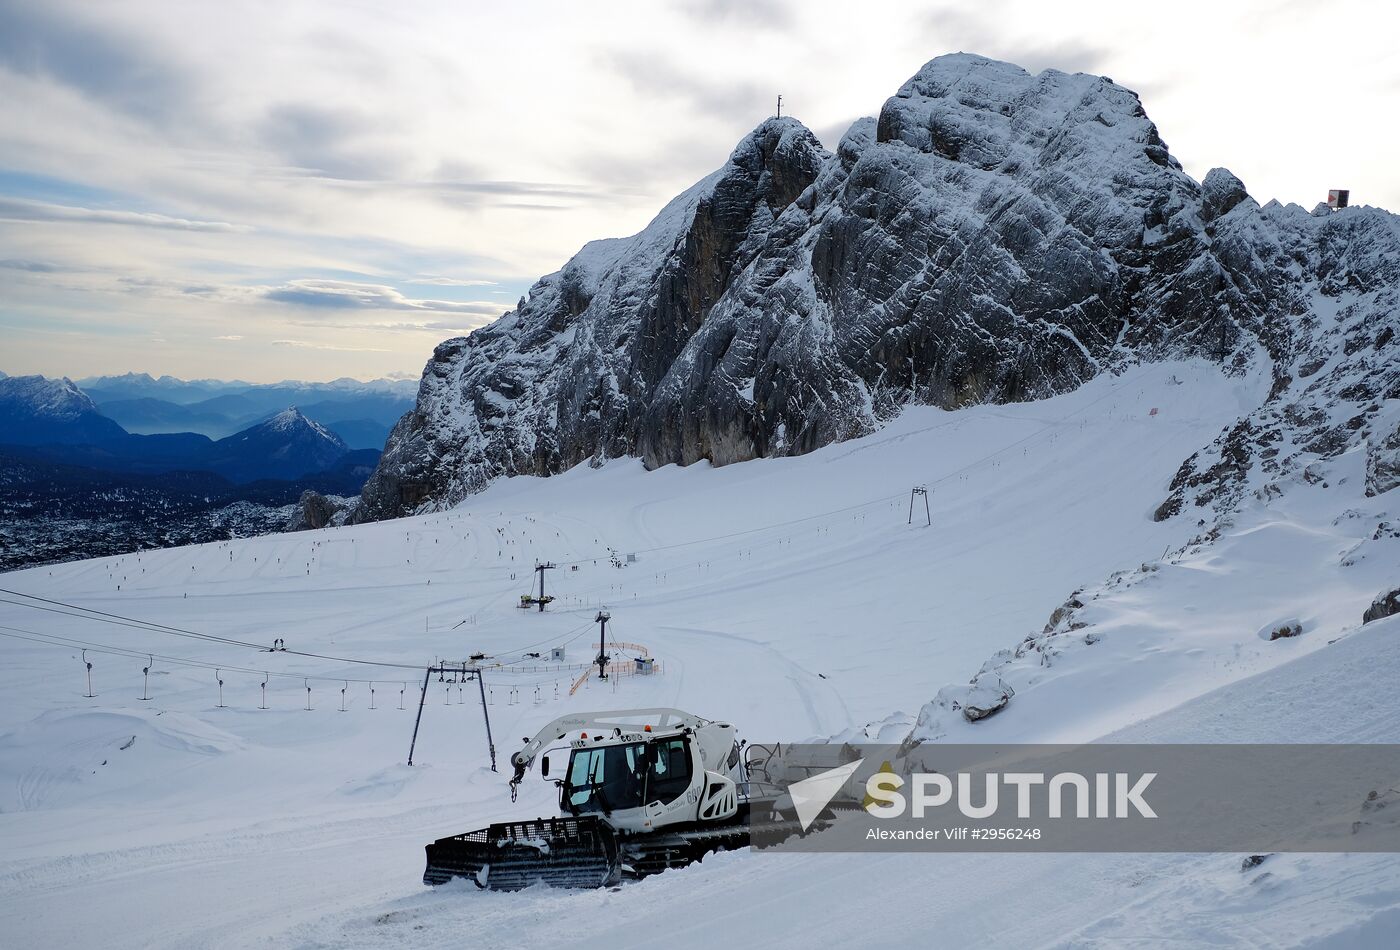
(431, 326)
(440, 326)
(714, 97)
(337, 147)
(501, 193)
(339, 348)
(313, 295)
(984, 31)
(831, 133)
(33, 267)
(471, 192)
(60, 42)
(535, 206)
(23, 209)
(662, 171)
(514, 188)
(331, 142)
(1070, 56)
(767, 13)
(452, 282)
(349, 295)
(669, 163)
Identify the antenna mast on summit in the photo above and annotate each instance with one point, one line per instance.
(780, 107)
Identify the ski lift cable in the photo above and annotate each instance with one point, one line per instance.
(47, 639)
(101, 616)
(19, 633)
(576, 633)
(52, 639)
(68, 643)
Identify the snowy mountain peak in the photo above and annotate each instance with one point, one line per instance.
(286, 419)
(782, 149)
(59, 398)
(993, 236)
(996, 116)
(292, 423)
(295, 443)
(37, 410)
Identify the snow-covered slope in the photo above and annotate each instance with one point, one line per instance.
(1107, 901)
(993, 236)
(789, 595)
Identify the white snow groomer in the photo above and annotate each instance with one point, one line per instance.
(644, 790)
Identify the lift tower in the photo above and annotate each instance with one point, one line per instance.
(602, 660)
(526, 601)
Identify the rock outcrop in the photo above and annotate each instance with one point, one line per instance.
(1386, 604)
(1281, 629)
(1383, 459)
(314, 511)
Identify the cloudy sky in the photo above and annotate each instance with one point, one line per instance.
(272, 189)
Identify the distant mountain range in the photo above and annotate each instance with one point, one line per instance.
(361, 413)
(57, 421)
(100, 489)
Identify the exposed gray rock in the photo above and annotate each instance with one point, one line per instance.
(1380, 812)
(1220, 192)
(1386, 604)
(1383, 462)
(984, 699)
(1333, 292)
(986, 694)
(315, 510)
(1281, 629)
(1063, 615)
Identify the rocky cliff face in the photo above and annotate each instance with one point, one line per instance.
(571, 373)
(992, 236)
(1330, 284)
